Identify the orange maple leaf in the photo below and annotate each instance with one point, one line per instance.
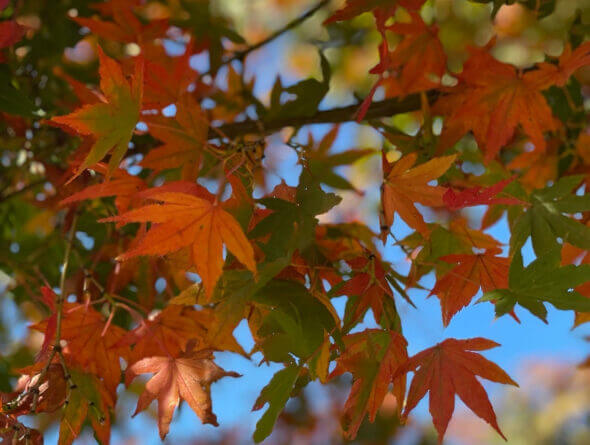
(168, 78)
(112, 121)
(403, 186)
(450, 368)
(188, 376)
(372, 357)
(185, 220)
(169, 332)
(91, 344)
(548, 74)
(184, 137)
(416, 64)
(492, 99)
(537, 167)
(457, 287)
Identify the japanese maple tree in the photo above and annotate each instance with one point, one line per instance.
(142, 222)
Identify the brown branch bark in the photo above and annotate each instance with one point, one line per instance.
(377, 110)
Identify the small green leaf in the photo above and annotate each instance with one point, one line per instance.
(276, 394)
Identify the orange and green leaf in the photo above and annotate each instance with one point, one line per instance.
(111, 122)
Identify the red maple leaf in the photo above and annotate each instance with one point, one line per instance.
(479, 196)
(457, 287)
(450, 368)
(492, 99)
(372, 357)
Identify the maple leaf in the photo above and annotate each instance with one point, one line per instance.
(186, 220)
(231, 101)
(370, 285)
(458, 238)
(418, 60)
(292, 222)
(184, 138)
(83, 395)
(403, 186)
(89, 345)
(450, 368)
(548, 74)
(546, 219)
(321, 162)
(169, 331)
(491, 100)
(542, 281)
(49, 298)
(479, 196)
(458, 286)
(537, 167)
(111, 122)
(416, 64)
(188, 376)
(372, 357)
(167, 78)
(294, 323)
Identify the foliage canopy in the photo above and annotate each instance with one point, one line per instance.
(141, 222)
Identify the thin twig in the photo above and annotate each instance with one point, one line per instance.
(56, 349)
(241, 55)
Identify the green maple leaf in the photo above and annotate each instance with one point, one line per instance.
(296, 322)
(546, 220)
(542, 281)
(291, 226)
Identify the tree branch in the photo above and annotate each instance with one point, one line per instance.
(377, 110)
